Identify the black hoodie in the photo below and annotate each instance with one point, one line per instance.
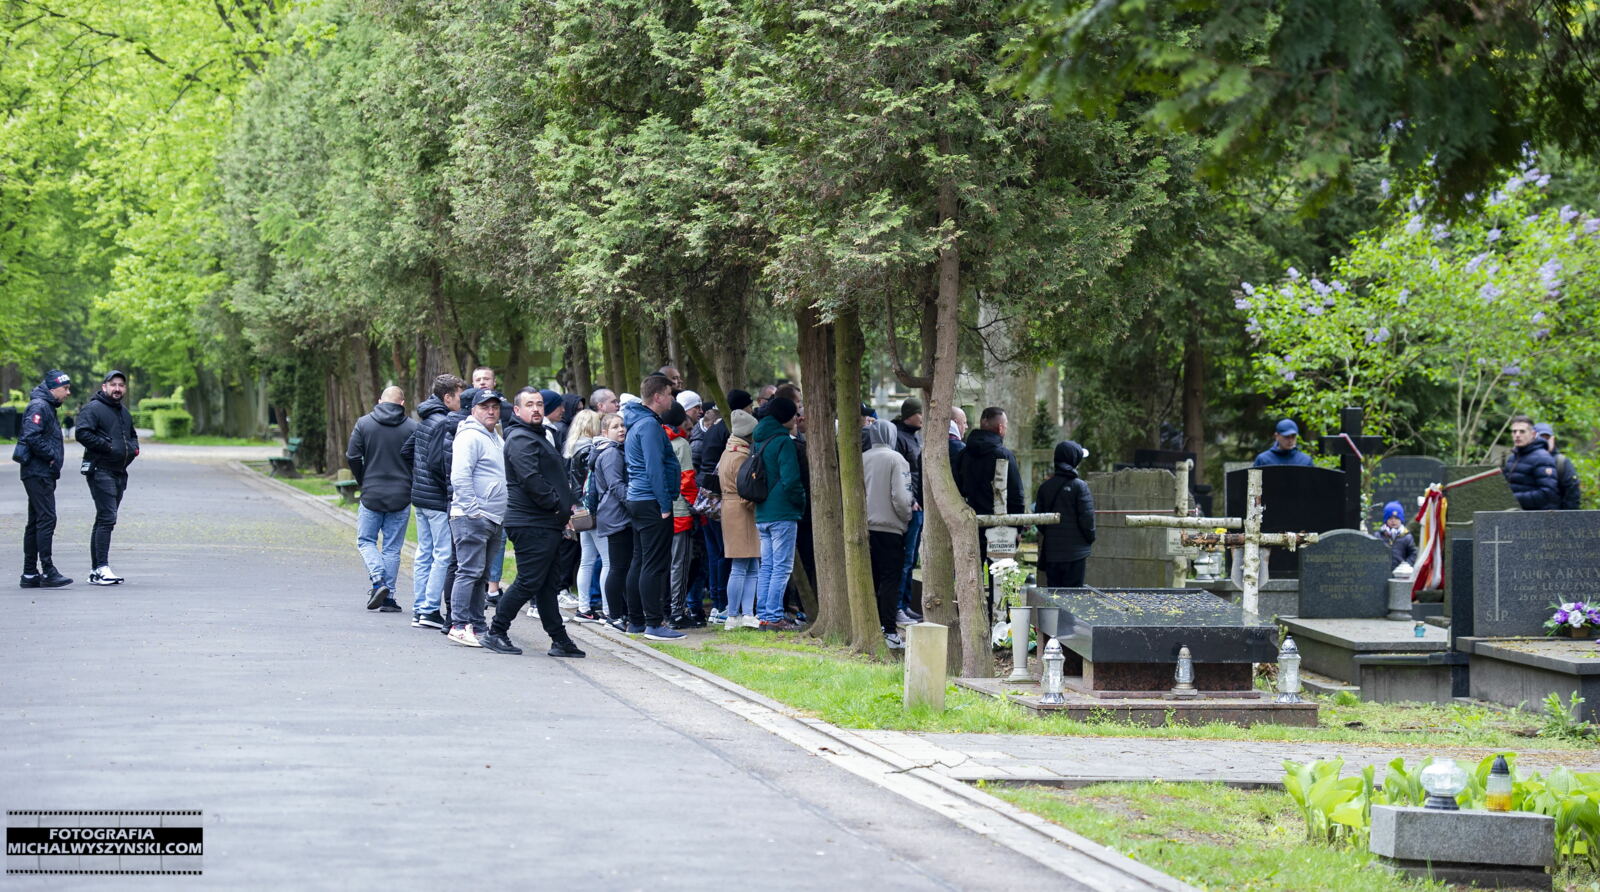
(41, 436)
(105, 428)
(975, 473)
(376, 455)
(537, 493)
(1066, 493)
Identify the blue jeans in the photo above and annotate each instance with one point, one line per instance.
(431, 568)
(497, 557)
(777, 561)
(913, 538)
(382, 566)
(591, 570)
(742, 579)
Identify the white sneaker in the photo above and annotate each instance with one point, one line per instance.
(902, 618)
(751, 622)
(104, 576)
(895, 642)
(732, 622)
(465, 635)
(566, 601)
(533, 611)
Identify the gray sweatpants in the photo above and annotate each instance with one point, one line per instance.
(469, 591)
(682, 555)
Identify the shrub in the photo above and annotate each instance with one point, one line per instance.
(171, 424)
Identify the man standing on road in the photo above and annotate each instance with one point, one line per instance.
(376, 455)
(653, 483)
(1569, 491)
(41, 452)
(110, 444)
(477, 507)
(431, 495)
(539, 503)
(1530, 469)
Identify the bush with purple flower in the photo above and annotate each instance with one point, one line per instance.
(1575, 615)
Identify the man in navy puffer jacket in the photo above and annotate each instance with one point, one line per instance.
(1531, 469)
(431, 495)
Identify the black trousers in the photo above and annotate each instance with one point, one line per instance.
(538, 577)
(619, 547)
(39, 536)
(888, 552)
(650, 573)
(1065, 574)
(106, 488)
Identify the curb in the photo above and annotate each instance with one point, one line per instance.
(1076, 857)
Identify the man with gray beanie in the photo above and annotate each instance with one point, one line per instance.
(40, 451)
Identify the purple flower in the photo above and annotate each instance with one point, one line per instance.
(1434, 264)
(1318, 287)
(1379, 336)
(1293, 274)
(1288, 374)
(1493, 235)
(1550, 274)
(1247, 288)
(1414, 226)
(1383, 187)
(1542, 181)
(1328, 302)
(1541, 334)
(1488, 292)
(1403, 297)
(1537, 317)
(1496, 197)
(1341, 287)
(1313, 309)
(1240, 303)
(1567, 214)
(1513, 184)
(1474, 263)
(1511, 370)
(1591, 225)
(1440, 233)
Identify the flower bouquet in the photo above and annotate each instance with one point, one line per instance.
(1577, 619)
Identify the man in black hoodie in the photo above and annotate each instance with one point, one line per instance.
(975, 473)
(1064, 547)
(376, 455)
(41, 453)
(110, 444)
(432, 499)
(539, 502)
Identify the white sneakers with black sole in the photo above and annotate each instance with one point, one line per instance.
(104, 576)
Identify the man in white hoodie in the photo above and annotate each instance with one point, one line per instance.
(477, 508)
(889, 509)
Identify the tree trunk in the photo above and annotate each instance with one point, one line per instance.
(710, 385)
(730, 319)
(1194, 399)
(633, 367)
(578, 360)
(958, 524)
(833, 605)
(616, 375)
(866, 635)
(514, 376)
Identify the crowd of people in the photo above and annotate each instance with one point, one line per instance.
(653, 513)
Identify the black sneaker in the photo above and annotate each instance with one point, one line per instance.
(428, 620)
(389, 605)
(563, 649)
(494, 601)
(618, 624)
(30, 580)
(587, 616)
(681, 622)
(376, 597)
(52, 578)
(498, 643)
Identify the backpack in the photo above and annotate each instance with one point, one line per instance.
(752, 477)
(578, 470)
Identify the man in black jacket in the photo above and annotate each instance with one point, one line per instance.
(975, 472)
(431, 496)
(908, 428)
(383, 474)
(1569, 491)
(110, 444)
(1530, 469)
(41, 453)
(538, 505)
(1064, 547)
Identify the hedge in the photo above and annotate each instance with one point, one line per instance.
(171, 424)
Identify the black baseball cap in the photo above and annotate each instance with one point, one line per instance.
(486, 396)
(114, 374)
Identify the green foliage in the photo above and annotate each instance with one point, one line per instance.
(1562, 719)
(170, 424)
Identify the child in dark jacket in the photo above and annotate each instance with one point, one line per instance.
(1402, 547)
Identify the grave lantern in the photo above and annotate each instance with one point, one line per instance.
(1184, 676)
(1444, 780)
(1054, 679)
(1289, 672)
(1497, 792)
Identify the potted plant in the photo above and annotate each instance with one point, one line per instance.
(1575, 619)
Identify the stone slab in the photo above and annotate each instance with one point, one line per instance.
(1522, 672)
(1467, 836)
(1152, 712)
(925, 660)
(1329, 646)
(1346, 574)
(1124, 556)
(1149, 626)
(1523, 561)
(1410, 678)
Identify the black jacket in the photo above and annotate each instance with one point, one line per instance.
(1531, 471)
(426, 491)
(1567, 486)
(905, 443)
(105, 428)
(441, 449)
(41, 436)
(376, 455)
(975, 473)
(712, 444)
(1065, 493)
(537, 493)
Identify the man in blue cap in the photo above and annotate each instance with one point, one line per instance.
(40, 451)
(1567, 484)
(1285, 447)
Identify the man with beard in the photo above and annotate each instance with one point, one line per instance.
(105, 428)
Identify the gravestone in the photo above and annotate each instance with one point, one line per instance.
(1523, 561)
(1127, 640)
(1492, 493)
(1296, 500)
(1404, 478)
(1344, 576)
(1458, 582)
(1124, 556)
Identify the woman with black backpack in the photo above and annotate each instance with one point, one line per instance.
(1064, 547)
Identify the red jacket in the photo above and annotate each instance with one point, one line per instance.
(688, 489)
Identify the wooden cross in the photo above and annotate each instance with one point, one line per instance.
(1351, 447)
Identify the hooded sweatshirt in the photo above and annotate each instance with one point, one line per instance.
(975, 475)
(786, 491)
(608, 488)
(1065, 493)
(477, 473)
(652, 468)
(376, 455)
(538, 493)
(888, 478)
(40, 438)
(105, 428)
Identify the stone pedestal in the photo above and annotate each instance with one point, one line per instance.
(926, 645)
(1400, 600)
(1506, 850)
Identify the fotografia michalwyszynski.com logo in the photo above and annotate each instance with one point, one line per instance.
(105, 842)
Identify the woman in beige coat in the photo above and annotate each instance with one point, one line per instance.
(740, 544)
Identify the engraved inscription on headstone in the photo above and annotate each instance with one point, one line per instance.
(1344, 576)
(1523, 561)
(1404, 478)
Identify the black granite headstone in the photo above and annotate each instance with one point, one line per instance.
(1404, 478)
(1149, 625)
(1523, 561)
(1460, 583)
(1344, 576)
(1294, 500)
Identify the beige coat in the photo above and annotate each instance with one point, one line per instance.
(739, 539)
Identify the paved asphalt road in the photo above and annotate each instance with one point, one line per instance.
(238, 672)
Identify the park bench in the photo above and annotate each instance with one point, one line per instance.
(284, 465)
(347, 487)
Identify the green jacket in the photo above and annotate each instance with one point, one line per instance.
(786, 493)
